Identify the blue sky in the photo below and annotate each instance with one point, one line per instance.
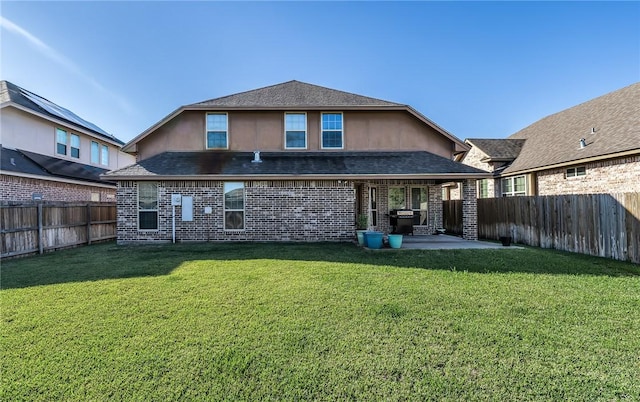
(478, 69)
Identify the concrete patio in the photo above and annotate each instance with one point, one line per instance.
(447, 242)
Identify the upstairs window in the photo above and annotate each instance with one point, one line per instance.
(295, 130)
(576, 172)
(512, 186)
(99, 154)
(75, 146)
(61, 141)
(332, 134)
(217, 131)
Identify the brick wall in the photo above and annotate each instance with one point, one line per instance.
(274, 211)
(469, 210)
(14, 188)
(610, 176)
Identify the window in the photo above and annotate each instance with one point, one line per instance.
(419, 197)
(512, 186)
(104, 155)
(396, 198)
(99, 154)
(483, 188)
(217, 131)
(295, 130)
(95, 152)
(234, 206)
(373, 206)
(332, 130)
(576, 172)
(147, 206)
(61, 141)
(75, 146)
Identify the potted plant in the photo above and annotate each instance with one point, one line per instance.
(361, 227)
(395, 240)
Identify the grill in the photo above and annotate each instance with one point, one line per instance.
(401, 221)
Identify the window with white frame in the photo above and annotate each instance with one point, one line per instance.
(512, 186)
(295, 130)
(576, 172)
(419, 198)
(75, 145)
(397, 198)
(217, 131)
(61, 141)
(234, 205)
(373, 206)
(332, 130)
(147, 206)
(99, 154)
(67, 143)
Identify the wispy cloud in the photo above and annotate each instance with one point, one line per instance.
(63, 61)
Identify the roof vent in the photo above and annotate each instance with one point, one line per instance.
(13, 161)
(593, 130)
(256, 157)
(583, 143)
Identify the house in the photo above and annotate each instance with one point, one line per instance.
(288, 162)
(593, 147)
(49, 153)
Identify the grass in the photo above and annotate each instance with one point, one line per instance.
(318, 322)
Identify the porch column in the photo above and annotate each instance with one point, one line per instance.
(469, 210)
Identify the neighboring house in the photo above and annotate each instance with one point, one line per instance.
(593, 147)
(49, 153)
(293, 161)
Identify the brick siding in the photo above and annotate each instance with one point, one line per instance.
(274, 211)
(621, 175)
(469, 210)
(14, 188)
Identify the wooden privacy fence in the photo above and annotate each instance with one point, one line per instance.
(606, 225)
(29, 228)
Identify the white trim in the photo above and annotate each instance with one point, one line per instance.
(575, 172)
(513, 192)
(341, 131)
(206, 130)
(442, 176)
(306, 130)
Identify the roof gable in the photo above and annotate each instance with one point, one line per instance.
(609, 124)
(10, 92)
(498, 149)
(293, 94)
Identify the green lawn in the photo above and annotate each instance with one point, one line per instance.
(318, 322)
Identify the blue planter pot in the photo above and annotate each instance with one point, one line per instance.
(373, 239)
(360, 234)
(395, 240)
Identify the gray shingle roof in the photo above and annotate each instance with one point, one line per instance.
(21, 161)
(293, 163)
(555, 139)
(10, 92)
(293, 94)
(498, 149)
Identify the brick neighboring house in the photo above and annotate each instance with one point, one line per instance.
(288, 162)
(593, 147)
(47, 152)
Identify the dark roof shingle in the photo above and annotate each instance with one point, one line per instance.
(498, 149)
(294, 163)
(615, 118)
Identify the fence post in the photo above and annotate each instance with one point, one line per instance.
(40, 240)
(88, 223)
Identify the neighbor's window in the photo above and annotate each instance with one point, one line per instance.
(483, 188)
(217, 131)
(512, 186)
(234, 205)
(332, 130)
(295, 130)
(147, 206)
(99, 154)
(61, 141)
(75, 146)
(396, 198)
(419, 196)
(104, 155)
(576, 171)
